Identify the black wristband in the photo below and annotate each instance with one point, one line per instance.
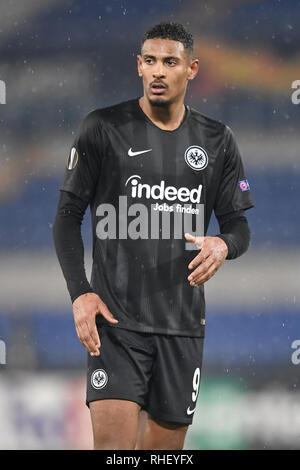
(235, 233)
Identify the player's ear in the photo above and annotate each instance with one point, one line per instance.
(139, 63)
(193, 69)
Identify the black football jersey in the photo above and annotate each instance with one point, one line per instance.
(147, 187)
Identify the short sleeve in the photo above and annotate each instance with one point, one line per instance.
(234, 189)
(83, 164)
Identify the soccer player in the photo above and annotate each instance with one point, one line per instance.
(147, 168)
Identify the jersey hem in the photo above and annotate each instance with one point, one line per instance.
(70, 189)
(243, 207)
(163, 331)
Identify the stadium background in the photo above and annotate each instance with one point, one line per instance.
(60, 60)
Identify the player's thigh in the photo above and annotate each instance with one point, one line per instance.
(175, 380)
(123, 368)
(154, 434)
(114, 423)
(117, 384)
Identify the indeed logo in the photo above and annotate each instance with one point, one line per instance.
(161, 191)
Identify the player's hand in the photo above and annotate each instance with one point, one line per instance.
(213, 251)
(85, 309)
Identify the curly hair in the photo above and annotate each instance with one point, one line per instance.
(171, 30)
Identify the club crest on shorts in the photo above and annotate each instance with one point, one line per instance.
(99, 379)
(72, 159)
(196, 157)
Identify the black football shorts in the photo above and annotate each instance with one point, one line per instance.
(159, 372)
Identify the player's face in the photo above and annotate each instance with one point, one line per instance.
(165, 67)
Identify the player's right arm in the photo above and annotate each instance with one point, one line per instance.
(77, 190)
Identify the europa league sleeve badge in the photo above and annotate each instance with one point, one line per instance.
(72, 159)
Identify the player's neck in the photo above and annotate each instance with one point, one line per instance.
(167, 118)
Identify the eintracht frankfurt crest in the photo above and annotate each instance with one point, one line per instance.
(196, 157)
(99, 379)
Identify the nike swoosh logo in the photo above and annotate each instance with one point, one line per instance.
(134, 154)
(190, 412)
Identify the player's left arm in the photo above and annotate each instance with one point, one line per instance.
(232, 242)
(232, 199)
